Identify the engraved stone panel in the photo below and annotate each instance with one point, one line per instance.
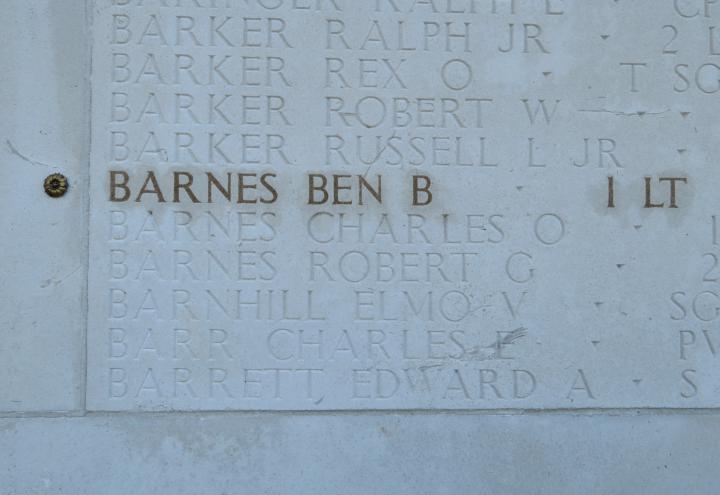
(404, 204)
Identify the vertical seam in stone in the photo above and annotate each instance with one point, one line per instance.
(86, 182)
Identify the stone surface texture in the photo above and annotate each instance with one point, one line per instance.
(544, 322)
(44, 129)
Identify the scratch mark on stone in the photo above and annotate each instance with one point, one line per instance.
(15, 152)
(379, 154)
(429, 367)
(619, 113)
(483, 354)
(57, 281)
(510, 338)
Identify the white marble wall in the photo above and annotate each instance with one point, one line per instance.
(51, 444)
